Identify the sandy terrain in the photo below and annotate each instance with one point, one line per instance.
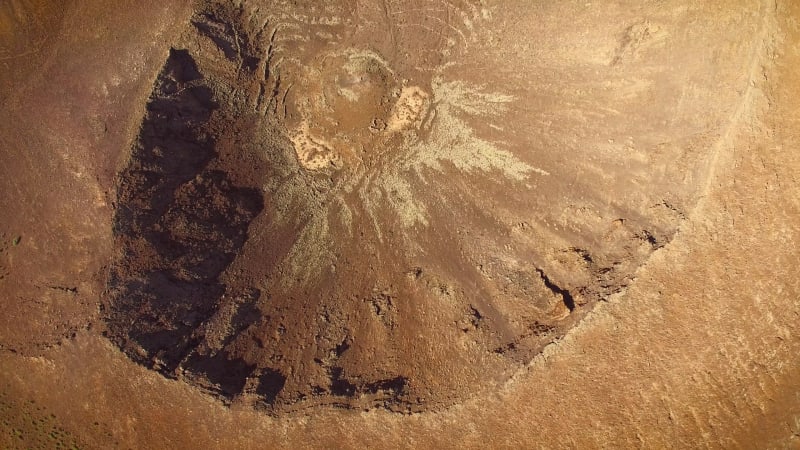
(428, 224)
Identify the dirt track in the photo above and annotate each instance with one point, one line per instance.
(502, 225)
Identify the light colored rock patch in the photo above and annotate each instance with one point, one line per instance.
(313, 153)
(409, 110)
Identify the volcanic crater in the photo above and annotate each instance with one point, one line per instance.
(305, 221)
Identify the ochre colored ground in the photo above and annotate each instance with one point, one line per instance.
(698, 350)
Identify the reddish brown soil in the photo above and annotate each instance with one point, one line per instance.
(458, 223)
